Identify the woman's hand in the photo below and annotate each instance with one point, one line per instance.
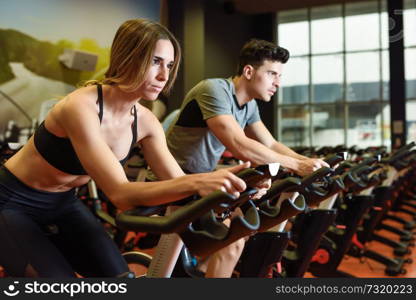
(262, 188)
(223, 179)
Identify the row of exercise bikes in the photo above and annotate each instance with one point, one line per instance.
(301, 225)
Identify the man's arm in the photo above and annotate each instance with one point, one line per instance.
(229, 132)
(258, 131)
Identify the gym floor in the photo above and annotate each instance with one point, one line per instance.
(364, 268)
(368, 268)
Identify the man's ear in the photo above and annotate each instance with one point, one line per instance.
(248, 71)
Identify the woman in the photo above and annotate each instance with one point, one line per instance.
(88, 134)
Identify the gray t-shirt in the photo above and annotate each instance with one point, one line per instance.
(189, 139)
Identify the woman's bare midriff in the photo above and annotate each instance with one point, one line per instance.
(33, 170)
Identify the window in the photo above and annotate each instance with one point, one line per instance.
(296, 79)
(363, 76)
(294, 23)
(327, 78)
(409, 28)
(335, 85)
(409, 23)
(364, 124)
(362, 28)
(295, 125)
(410, 72)
(326, 28)
(328, 121)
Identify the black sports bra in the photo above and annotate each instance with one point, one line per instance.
(59, 151)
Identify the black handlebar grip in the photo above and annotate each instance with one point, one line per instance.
(334, 159)
(290, 184)
(178, 220)
(253, 175)
(318, 174)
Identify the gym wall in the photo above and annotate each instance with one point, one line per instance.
(33, 34)
(212, 33)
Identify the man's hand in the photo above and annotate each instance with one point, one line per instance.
(310, 165)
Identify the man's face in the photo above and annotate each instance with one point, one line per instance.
(266, 80)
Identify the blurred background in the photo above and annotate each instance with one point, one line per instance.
(351, 78)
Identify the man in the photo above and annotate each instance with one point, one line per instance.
(219, 114)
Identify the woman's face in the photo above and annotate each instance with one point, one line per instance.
(158, 73)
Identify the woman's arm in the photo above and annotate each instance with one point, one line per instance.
(155, 149)
(79, 119)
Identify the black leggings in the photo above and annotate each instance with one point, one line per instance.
(45, 234)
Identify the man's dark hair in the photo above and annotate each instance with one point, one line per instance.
(255, 52)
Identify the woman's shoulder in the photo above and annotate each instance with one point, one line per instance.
(148, 124)
(80, 100)
(144, 113)
(84, 93)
